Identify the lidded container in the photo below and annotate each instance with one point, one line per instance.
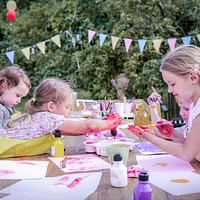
(57, 146)
(143, 191)
(118, 172)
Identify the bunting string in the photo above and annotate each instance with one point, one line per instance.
(102, 38)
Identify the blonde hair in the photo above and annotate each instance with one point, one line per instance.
(182, 60)
(11, 76)
(49, 90)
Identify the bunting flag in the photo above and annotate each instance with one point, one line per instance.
(41, 46)
(171, 42)
(102, 38)
(33, 49)
(10, 55)
(114, 41)
(90, 35)
(142, 44)
(127, 43)
(186, 40)
(198, 36)
(56, 39)
(157, 44)
(26, 52)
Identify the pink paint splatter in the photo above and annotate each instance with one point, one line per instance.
(75, 182)
(63, 180)
(4, 171)
(26, 163)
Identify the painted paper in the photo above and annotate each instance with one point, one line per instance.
(23, 169)
(84, 162)
(176, 183)
(147, 148)
(163, 163)
(71, 186)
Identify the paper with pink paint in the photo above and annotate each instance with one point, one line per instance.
(163, 163)
(84, 162)
(176, 183)
(70, 186)
(24, 169)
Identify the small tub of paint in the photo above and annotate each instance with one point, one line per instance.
(90, 146)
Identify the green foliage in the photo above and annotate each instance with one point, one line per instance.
(40, 20)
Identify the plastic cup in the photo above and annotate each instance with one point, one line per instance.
(127, 108)
(119, 108)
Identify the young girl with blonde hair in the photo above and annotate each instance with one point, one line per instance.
(48, 111)
(181, 72)
(14, 84)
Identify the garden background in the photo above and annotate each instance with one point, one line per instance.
(90, 42)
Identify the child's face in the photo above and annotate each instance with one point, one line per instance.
(63, 109)
(184, 112)
(12, 96)
(180, 87)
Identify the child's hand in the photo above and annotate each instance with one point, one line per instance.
(165, 127)
(113, 120)
(153, 99)
(137, 129)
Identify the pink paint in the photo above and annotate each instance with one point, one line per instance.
(63, 180)
(4, 171)
(89, 143)
(26, 163)
(22, 158)
(74, 183)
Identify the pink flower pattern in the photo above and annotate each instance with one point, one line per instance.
(41, 124)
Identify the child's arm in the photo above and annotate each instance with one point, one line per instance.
(186, 151)
(89, 126)
(153, 102)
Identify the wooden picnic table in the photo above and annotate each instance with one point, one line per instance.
(74, 146)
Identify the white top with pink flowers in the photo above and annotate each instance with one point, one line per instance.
(42, 123)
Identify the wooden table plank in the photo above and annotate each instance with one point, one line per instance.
(104, 191)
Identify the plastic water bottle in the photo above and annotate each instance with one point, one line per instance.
(142, 190)
(118, 172)
(57, 146)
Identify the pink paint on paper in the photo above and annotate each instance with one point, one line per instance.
(4, 171)
(26, 163)
(74, 183)
(63, 180)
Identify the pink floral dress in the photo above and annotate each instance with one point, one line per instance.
(41, 124)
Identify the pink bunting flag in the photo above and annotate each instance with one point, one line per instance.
(90, 35)
(171, 42)
(127, 43)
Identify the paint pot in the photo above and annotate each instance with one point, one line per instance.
(101, 148)
(89, 146)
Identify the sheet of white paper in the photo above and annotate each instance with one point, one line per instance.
(147, 148)
(176, 183)
(84, 162)
(163, 163)
(29, 196)
(23, 169)
(71, 186)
